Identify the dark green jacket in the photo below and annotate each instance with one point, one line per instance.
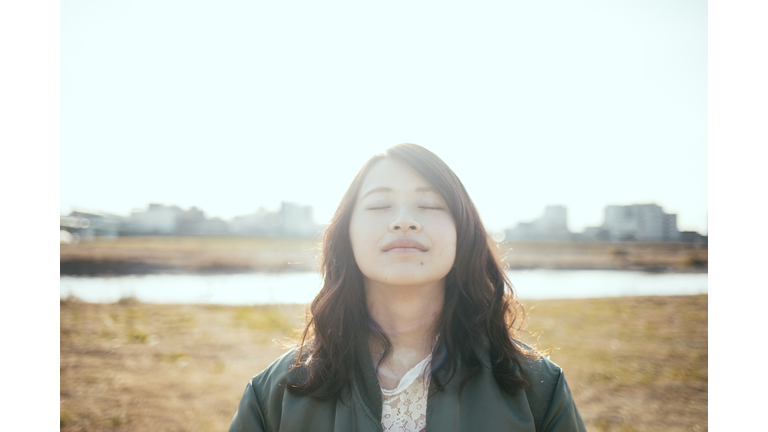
(547, 405)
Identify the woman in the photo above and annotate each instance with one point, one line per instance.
(414, 326)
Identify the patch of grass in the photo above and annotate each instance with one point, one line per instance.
(106, 334)
(116, 420)
(694, 370)
(70, 300)
(135, 335)
(173, 357)
(67, 332)
(262, 318)
(180, 321)
(128, 301)
(694, 261)
(646, 378)
(90, 379)
(66, 418)
(133, 314)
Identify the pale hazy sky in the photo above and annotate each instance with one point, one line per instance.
(230, 106)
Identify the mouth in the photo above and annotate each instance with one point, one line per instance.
(404, 246)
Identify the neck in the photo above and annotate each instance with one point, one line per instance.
(407, 316)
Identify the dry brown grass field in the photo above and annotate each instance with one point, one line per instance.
(137, 255)
(606, 255)
(126, 255)
(633, 363)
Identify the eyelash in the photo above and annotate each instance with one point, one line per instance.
(426, 208)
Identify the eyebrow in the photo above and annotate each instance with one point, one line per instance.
(388, 189)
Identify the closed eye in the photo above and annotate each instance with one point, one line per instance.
(432, 208)
(378, 208)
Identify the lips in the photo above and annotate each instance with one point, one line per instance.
(404, 245)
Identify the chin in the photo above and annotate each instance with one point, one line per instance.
(415, 275)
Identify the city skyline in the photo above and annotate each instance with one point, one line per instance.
(592, 218)
(554, 218)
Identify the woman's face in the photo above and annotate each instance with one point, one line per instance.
(402, 231)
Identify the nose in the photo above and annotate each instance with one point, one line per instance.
(404, 222)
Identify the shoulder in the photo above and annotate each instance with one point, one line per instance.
(548, 395)
(541, 373)
(535, 368)
(539, 370)
(260, 405)
(278, 373)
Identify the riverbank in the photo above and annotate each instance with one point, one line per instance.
(633, 363)
(201, 255)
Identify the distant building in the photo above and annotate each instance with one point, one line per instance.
(594, 234)
(552, 226)
(693, 237)
(292, 220)
(158, 219)
(637, 222)
(263, 223)
(297, 221)
(87, 226)
(214, 227)
(193, 222)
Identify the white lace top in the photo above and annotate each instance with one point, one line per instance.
(405, 407)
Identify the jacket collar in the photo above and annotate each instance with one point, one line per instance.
(367, 381)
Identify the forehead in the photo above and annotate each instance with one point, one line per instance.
(394, 174)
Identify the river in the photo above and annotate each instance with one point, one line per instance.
(271, 288)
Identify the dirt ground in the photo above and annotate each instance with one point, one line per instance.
(633, 364)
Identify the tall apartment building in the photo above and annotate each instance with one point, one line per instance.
(641, 222)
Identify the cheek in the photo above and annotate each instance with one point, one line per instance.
(354, 236)
(359, 236)
(447, 239)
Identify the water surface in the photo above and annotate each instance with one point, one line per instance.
(270, 288)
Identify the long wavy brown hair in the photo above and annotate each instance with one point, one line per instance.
(480, 304)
